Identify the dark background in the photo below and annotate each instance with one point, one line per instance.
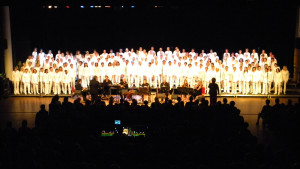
(205, 25)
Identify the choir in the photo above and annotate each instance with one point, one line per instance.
(241, 72)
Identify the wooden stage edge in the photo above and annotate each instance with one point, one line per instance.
(206, 95)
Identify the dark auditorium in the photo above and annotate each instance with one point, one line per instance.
(149, 84)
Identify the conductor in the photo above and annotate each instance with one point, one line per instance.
(94, 87)
(213, 91)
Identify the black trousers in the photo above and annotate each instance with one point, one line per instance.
(84, 93)
(94, 96)
(106, 91)
(213, 100)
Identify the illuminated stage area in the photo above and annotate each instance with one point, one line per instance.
(141, 70)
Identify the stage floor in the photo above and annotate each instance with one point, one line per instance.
(16, 109)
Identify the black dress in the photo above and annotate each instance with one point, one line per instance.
(197, 92)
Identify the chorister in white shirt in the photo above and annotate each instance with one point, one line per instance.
(34, 53)
(277, 81)
(235, 79)
(57, 82)
(16, 77)
(66, 80)
(234, 69)
(46, 81)
(227, 79)
(85, 75)
(35, 81)
(285, 77)
(26, 80)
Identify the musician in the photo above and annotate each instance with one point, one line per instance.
(79, 89)
(185, 83)
(198, 89)
(123, 85)
(94, 87)
(106, 85)
(145, 85)
(165, 87)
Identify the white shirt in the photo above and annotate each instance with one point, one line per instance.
(254, 76)
(66, 78)
(132, 70)
(235, 76)
(34, 78)
(270, 76)
(15, 76)
(227, 75)
(247, 76)
(34, 54)
(46, 78)
(57, 77)
(168, 53)
(285, 75)
(246, 55)
(86, 71)
(277, 77)
(218, 76)
(26, 77)
(264, 77)
(255, 55)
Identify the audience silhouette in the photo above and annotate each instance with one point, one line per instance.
(188, 136)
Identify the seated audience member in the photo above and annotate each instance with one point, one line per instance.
(41, 118)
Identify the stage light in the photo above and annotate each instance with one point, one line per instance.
(49, 6)
(107, 6)
(68, 7)
(132, 6)
(82, 6)
(55, 6)
(91, 6)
